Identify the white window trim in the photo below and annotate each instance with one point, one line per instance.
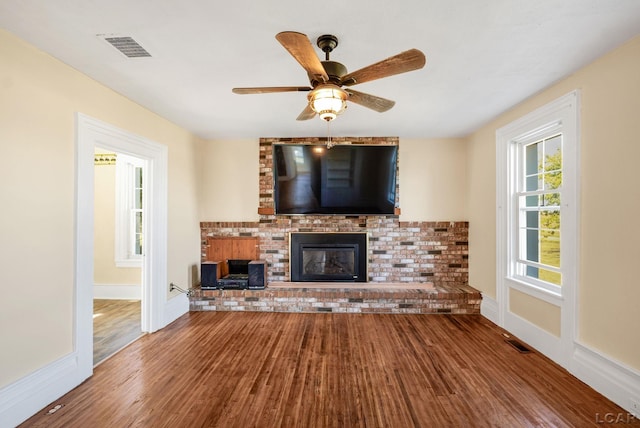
(125, 170)
(563, 112)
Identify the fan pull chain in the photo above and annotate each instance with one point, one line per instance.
(329, 142)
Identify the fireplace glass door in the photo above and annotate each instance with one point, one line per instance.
(329, 263)
(328, 257)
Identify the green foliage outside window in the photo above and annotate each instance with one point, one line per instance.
(543, 169)
(550, 220)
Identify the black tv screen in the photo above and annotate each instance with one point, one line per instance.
(345, 179)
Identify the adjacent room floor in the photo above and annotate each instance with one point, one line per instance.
(116, 323)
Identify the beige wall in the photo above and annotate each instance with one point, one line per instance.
(228, 177)
(433, 179)
(105, 270)
(532, 309)
(38, 99)
(481, 197)
(608, 294)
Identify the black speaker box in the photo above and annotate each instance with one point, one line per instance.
(257, 274)
(209, 275)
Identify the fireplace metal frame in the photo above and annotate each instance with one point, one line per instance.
(326, 241)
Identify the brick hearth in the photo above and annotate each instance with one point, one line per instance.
(445, 299)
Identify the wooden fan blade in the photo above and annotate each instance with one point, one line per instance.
(409, 60)
(271, 89)
(307, 113)
(370, 101)
(299, 46)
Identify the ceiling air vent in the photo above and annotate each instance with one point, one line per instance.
(128, 46)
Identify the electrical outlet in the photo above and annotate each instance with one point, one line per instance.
(634, 406)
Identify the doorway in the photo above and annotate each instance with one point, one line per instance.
(92, 133)
(119, 242)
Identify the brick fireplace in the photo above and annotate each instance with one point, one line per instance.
(430, 257)
(398, 251)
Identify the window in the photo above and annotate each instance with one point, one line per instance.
(537, 217)
(129, 211)
(538, 204)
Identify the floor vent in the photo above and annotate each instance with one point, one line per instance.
(518, 345)
(127, 46)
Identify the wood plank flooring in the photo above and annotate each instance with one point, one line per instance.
(230, 369)
(116, 323)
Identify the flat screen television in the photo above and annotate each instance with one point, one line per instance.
(345, 179)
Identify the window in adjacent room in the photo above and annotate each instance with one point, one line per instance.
(129, 211)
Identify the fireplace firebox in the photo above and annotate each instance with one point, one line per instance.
(328, 257)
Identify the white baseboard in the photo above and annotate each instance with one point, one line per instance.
(489, 308)
(117, 291)
(543, 341)
(26, 396)
(614, 380)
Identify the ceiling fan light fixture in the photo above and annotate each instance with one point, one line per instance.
(328, 100)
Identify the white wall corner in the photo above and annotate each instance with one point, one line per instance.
(175, 308)
(616, 381)
(489, 309)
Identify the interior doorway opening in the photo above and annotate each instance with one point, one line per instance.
(119, 241)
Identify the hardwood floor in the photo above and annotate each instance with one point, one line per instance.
(231, 369)
(116, 323)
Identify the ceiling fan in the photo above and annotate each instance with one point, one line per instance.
(327, 97)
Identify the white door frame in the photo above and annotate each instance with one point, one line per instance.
(92, 133)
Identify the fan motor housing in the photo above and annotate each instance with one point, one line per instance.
(335, 71)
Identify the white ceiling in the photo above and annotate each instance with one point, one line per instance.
(483, 56)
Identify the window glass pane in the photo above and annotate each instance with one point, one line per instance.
(138, 177)
(549, 276)
(531, 159)
(533, 183)
(553, 153)
(552, 180)
(550, 220)
(550, 248)
(532, 201)
(138, 233)
(139, 222)
(532, 219)
(532, 245)
(138, 199)
(138, 248)
(553, 163)
(551, 200)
